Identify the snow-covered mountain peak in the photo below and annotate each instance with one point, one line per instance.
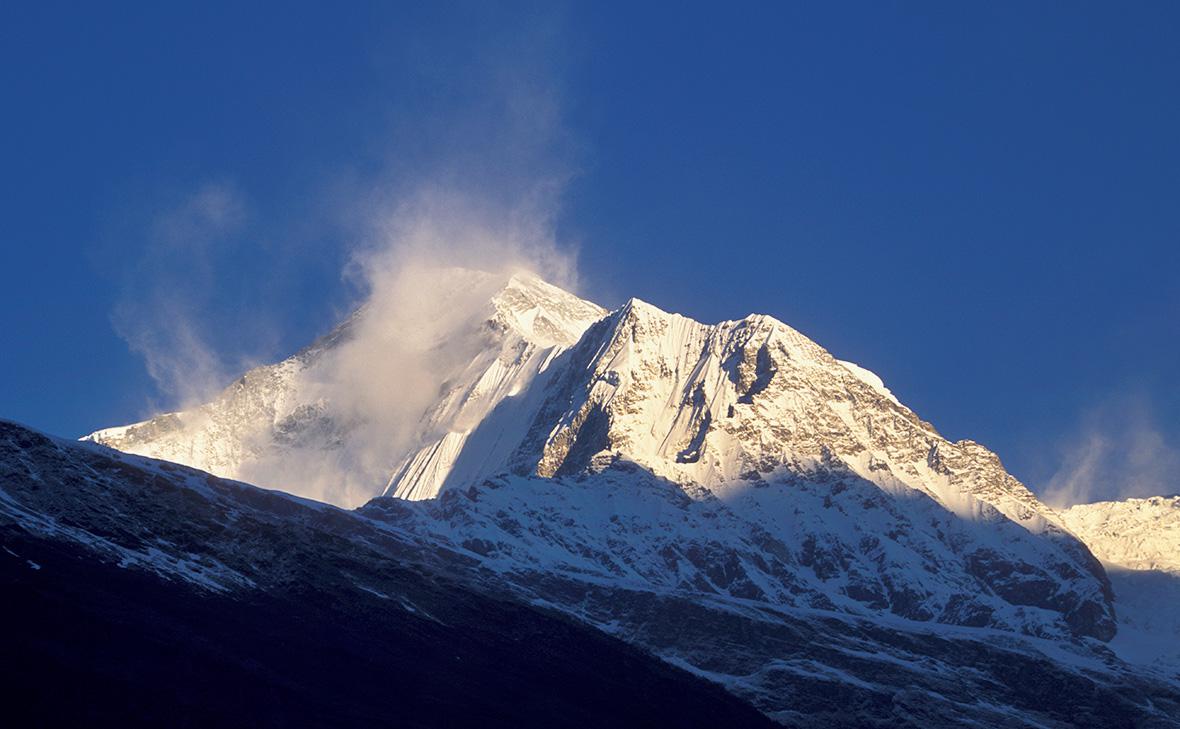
(709, 405)
(541, 312)
(743, 399)
(741, 459)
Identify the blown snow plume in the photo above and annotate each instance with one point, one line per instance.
(424, 320)
(333, 421)
(1118, 452)
(472, 180)
(436, 247)
(165, 310)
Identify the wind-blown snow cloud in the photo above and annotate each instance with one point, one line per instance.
(163, 309)
(474, 186)
(428, 283)
(470, 179)
(1118, 452)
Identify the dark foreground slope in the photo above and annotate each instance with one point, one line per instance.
(143, 593)
(139, 593)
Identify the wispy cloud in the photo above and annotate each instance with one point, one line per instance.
(163, 307)
(1118, 451)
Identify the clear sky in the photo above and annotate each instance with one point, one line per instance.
(978, 201)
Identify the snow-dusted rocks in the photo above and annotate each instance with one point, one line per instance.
(141, 593)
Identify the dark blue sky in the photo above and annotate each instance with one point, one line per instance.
(981, 203)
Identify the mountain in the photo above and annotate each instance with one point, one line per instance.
(144, 593)
(729, 497)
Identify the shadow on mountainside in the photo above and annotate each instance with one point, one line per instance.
(1148, 607)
